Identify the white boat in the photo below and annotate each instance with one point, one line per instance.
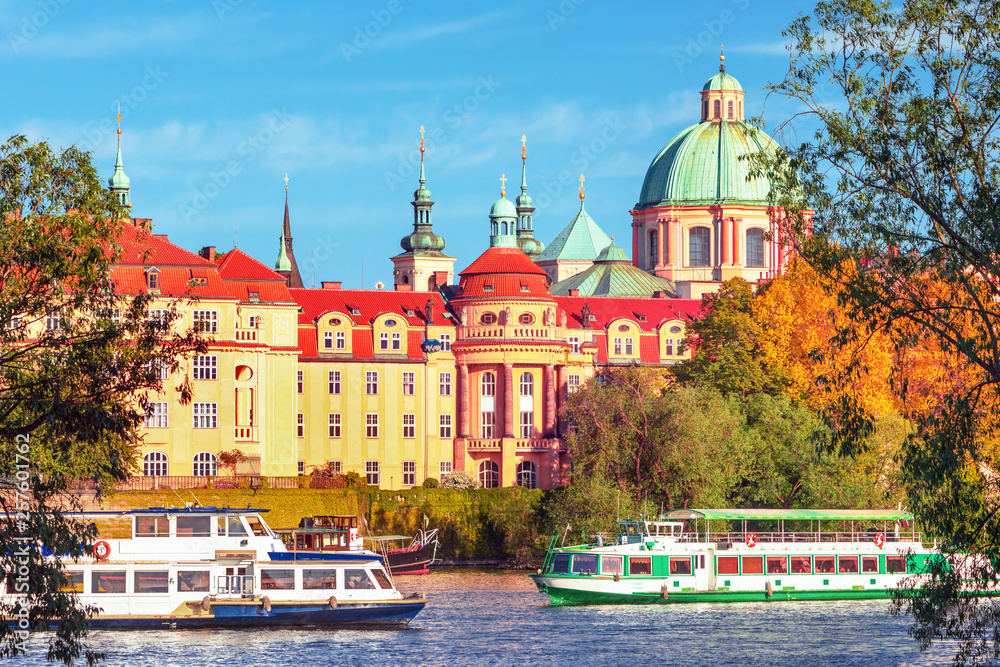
(221, 567)
(757, 556)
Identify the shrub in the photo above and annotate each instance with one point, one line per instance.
(430, 483)
(458, 480)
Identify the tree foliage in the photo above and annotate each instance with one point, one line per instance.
(77, 363)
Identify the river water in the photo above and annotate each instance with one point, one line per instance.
(499, 618)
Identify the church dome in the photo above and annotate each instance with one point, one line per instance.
(722, 81)
(503, 208)
(422, 240)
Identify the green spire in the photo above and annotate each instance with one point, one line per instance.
(119, 183)
(525, 207)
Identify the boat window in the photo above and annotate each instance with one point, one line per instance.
(152, 582)
(257, 526)
(640, 565)
(584, 563)
(847, 564)
(728, 565)
(869, 564)
(802, 565)
(196, 581)
(777, 565)
(753, 565)
(152, 526)
(611, 564)
(383, 581)
(560, 564)
(325, 579)
(680, 565)
(894, 564)
(358, 579)
(222, 526)
(236, 528)
(74, 582)
(271, 580)
(194, 526)
(824, 564)
(104, 581)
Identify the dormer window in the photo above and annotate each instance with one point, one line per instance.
(488, 288)
(525, 288)
(410, 313)
(254, 297)
(355, 311)
(153, 280)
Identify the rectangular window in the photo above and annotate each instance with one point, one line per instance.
(628, 346)
(277, 580)
(847, 564)
(206, 321)
(489, 420)
(334, 382)
(801, 565)
(334, 424)
(327, 340)
(152, 526)
(206, 415)
(444, 426)
(341, 340)
(895, 564)
(640, 565)
(444, 468)
(300, 382)
(618, 345)
(156, 318)
(409, 426)
(158, 368)
(325, 579)
(372, 473)
(753, 565)
(527, 424)
(300, 425)
(869, 564)
(668, 347)
(824, 564)
(104, 581)
(397, 340)
(409, 383)
(728, 564)
(680, 565)
(777, 565)
(371, 382)
(574, 344)
(445, 342)
(371, 425)
(409, 473)
(156, 416)
(53, 321)
(254, 322)
(335, 466)
(444, 384)
(611, 564)
(572, 383)
(585, 563)
(383, 340)
(302, 468)
(206, 367)
(196, 581)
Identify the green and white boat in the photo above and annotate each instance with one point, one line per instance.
(758, 555)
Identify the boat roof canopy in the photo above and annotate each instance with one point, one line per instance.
(778, 514)
(196, 510)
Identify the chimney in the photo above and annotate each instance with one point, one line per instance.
(332, 285)
(440, 278)
(208, 252)
(145, 224)
(574, 292)
(401, 287)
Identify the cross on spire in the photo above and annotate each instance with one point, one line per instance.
(722, 58)
(286, 182)
(421, 139)
(503, 185)
(581, 187)
(524, 148)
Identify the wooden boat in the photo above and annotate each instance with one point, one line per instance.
(757, 555)
(413, 558)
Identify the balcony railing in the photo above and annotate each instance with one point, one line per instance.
(485, 445)
(246, 335)
(246, 434)
(532, 444)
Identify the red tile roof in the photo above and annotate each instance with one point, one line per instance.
(267, 292)
(140, 248)
(503, 261)
(413, 341)
(174, 281)
(361, 344)
(503, 272)
(605, 310)
(237, 265)
(307, 341)
(370, 304)
(601, 341)
(649, 349)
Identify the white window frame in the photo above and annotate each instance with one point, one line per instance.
(205, 321)
(445, 340)
(489, 471)
(372, 473)
(409, 473)
(409, 383)
(205, 415)
(334, 424)
(574, 345)
(300, 382)
(157, 415)
(205, 367)
(572, 383)
(155, 464)
(488, 388)
(205, 464)
(444, 468)
(371, 383)
(383, 341)
(618, 345)
(371, 425)
(444, 383)
(527, 469)
(527, 384)
(341, 340)
(300, 425)
(488, 424)
(444, 426)
(327, 340)
(629, 346)
(397, 341)
(333, 382)
(409, 425)
(527, 424)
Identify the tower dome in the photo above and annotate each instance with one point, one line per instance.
(503, 220)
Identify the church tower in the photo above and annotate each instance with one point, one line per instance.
(286, 264)
(528, 244)
(119, 183)
(422, 267)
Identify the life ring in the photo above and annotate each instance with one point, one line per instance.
(101, 550)
(880, 540)
(206, 603)
(265, 602)
(333, 602)
(751, 540)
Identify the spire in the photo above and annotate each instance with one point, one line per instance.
(119, 183)
(422, 239)
(285, 264)
(582, 194)
(525, 207)
(722, 58)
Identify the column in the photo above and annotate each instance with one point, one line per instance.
(462, 389)
(508, 401)
(550, 401)
(724, 244)
(676, 247)
(660, 241)
(636, 230)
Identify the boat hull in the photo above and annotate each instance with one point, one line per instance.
(410, 560)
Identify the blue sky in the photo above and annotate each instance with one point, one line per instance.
(221, 98)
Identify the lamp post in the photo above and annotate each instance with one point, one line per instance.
(429, 347)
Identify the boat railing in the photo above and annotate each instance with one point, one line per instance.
(812, 537)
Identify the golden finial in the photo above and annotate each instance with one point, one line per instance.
(524, 149)
(286, 182)
(503, 185)
(119, 118)
(722, 58)
(581, 187)
(421, 138)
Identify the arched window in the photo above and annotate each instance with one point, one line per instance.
(489, 475)
(527, 475)
(205, 464)
(654, 248)
(527, 384)
(154, 464)
(405, 279)
(717, 109)
(704, 115)
(755, 248)
(494, 227)
(700, 246)
(489, 384)
(729, 106)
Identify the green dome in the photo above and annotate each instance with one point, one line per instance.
(524, 201)
(702, 165)
(613, 254)
(422, 240)
(421, 194)
(503, 208)
(529, 245)
(722, 81)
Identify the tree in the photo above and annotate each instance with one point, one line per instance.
(77, 362)
(233, 458)
(902, 173)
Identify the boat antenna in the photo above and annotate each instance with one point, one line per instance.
(176, 494)
(565, 533)
(197, 502)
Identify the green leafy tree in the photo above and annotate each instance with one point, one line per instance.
(77, 363)
(902, 172)
(458, 479)
(726, 345)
